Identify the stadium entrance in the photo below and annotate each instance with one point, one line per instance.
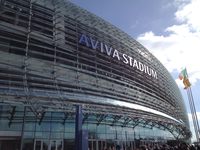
(40, 144)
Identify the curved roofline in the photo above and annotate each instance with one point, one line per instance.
(100, 100)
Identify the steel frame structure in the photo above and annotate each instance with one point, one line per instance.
(43, 67)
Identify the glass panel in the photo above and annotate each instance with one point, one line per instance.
(95, 145)
(111, 136)
(9, 125)
(45, 145)
(57, 115)
(38, 145)
(101, 129)
(29, 126)
(69, 127)
(57, 127)
(41, 135)
(110, 129)
(69, 145)
(56, 135)
(90, 145)
(53, 145)
(101, 136)
(43, 126)
(69, 135)
(110, 144)
(92, 127)
(59, 145)
(101, 145)
(28, 144)
(104, 144)
(29, 135)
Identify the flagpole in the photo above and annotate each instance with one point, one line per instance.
(195, 114)
(193, 110)
(192, 113)
(190, 89)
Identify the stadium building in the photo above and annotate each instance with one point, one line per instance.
(55, 55)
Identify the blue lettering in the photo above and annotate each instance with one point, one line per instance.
(84, 40)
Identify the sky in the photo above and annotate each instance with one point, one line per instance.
(169, 29)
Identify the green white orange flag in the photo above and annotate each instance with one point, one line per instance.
(183, 76)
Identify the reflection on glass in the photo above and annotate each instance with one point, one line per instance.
(44, 126)
(29, 126)
(57, 127)
(40, 135)
(69, 135)
(28, 134)
(101, 129)
(69, 127)
(56, 135)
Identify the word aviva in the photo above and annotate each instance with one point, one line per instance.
(126, 59)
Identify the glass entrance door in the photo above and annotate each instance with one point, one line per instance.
(56, 145)
(48, 145)
(92, 145)
(96, 144)
(41, 145)
(101, 144)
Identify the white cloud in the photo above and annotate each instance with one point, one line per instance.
(190, 14)
(180, 48)
(179, 83)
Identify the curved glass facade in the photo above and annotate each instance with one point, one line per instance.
(55, 55)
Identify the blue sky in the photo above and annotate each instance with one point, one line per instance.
(133, 16)
(170, 29)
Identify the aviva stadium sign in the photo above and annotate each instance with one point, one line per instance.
(114, 53)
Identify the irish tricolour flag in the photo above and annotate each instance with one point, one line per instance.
(183, 76)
